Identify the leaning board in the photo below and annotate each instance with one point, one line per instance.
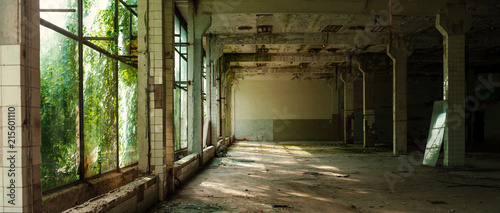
(436, 133)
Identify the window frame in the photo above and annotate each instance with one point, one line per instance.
(115, 57)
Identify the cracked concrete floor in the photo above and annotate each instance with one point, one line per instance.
(332, 177)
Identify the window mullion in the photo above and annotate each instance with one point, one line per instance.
(117, 125)
(80, 77)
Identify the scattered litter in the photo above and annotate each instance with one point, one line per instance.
(437, 202)
(312, 174)
(280, 206)
(244, 160)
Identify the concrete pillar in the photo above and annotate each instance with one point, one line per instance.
(156, 84)
(143, 87)
(348, 79)
(453, 25)
(20, 122)
(368, 104)
(197, 24)
(216, 53)
(399, 53)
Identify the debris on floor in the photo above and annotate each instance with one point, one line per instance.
(302, 177)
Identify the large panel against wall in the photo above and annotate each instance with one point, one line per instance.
(277, 108)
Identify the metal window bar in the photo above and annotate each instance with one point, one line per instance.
(57, 10)
(117, 97)
(129, 7)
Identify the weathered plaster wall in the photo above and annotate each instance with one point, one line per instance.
(278, 108)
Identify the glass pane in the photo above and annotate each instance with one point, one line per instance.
(100, 125)
(128, 117)
(184, 70)
(184, 35)
(184, 125)
(177, 118)
(134, 25)
(177, 69)
(98, 21)
(124, 33)
(59, 109)
(131, 2)
(65, 20)
(177, 26)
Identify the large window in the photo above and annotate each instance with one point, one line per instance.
(88, 62)
(181, 78)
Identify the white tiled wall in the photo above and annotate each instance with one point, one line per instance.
(454, 92)
(11, 93)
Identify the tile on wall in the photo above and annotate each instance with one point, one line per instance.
(11, 75)
(11, 55)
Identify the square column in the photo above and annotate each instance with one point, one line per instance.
(197, 24)
(20, 121)
(215, 54)
(156, 84)
(453, 25)
(399, 54)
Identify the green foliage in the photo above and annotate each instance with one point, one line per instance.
(59, 107)
(102, 116)
(59, 113)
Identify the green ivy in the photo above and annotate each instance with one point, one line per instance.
(60, 101)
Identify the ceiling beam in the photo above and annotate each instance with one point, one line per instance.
(304, 57)
(296, 38)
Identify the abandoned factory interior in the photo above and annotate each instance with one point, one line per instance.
(249, 106)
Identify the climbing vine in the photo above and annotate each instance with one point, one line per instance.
(109, 96)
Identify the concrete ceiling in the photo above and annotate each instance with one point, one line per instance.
(342, 27)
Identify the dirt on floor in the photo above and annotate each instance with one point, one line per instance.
(333, 177)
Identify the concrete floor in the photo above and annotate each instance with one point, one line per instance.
(332, 177)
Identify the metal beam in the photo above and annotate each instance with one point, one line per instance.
(81, 105)
(87, 43)
(57, 10)
(129, 7)
(99, 38)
